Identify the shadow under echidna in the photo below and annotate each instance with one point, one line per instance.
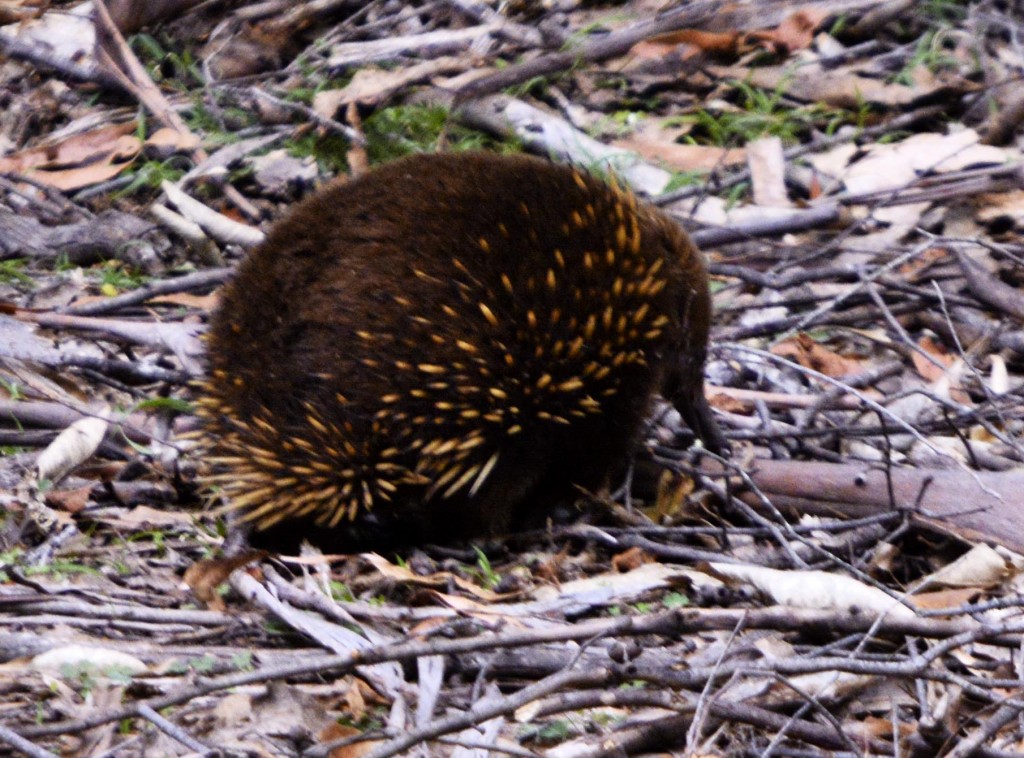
(447, 347)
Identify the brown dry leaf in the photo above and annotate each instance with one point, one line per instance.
(891, 166)
(438, 579)
(946, 376)
(358, 158)
(806, 351)
(721, 44)
(355, 750)
(943, 599)
(203, 577)
(925, 368)
(796, 32)
(913, 269)
(842, 88)
(372, 86)
(145, 517)
(233, 710)
(355, 699)
(15, 11)
(172, 139)
(205, 303)
(655, 142)
(80, 160)
(75, 149)
(1005, 205)
(465, 607)
(726, 401)
(673, 489)
(980, 567)
(632, 558)
(69, 501)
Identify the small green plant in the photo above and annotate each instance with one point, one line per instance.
(60, 570)
(488, 576)
(616, 125)
(219, 127)
(12, 271)
(63, 263)
(173, 404)
(928, 53)
(403, 129)
(156, 536)
(305, 95)
(329, 150)
(150, 175)
(341, 592)
(85, 675)
(114, 277)
(12, 388)
(204, 664)
(764, 113)
(948, 12)
(682, 179)
(675, 600)
(179, 70)
(551, 732)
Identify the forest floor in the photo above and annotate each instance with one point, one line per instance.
(844, 584)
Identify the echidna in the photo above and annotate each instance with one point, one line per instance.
(446, 347)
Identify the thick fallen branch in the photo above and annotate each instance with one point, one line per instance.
(973, 505)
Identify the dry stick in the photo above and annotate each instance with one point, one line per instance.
(831, 306)
(988, 289)
(489, 709)
(199, 280)
(614, 44)
(998, 434)
(669, 623)
(114, 53)
(15, 740)
(172, 730)
(797, 221)
(116, 57)
(1004, 715)
(704, 698)
(43, 56)
(743, 175)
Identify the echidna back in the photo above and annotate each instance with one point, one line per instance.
(442, 346)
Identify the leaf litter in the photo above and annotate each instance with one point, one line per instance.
(848, 582)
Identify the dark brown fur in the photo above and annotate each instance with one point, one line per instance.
(445, 345)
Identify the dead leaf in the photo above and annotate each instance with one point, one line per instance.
(806, 351)
(944, 599)
(438, 579)
(814, 589)
(372, 86)
(980, 567)
(80, 160)
(673, 490)
(69, 501)
(355, 750)
(656, 142)
(205, 303)
(171, 139)
(632, 558)
(796, 32)
(203, 577)
(725, 45)
(927, 369)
